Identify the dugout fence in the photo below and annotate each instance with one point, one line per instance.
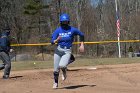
(101, 49)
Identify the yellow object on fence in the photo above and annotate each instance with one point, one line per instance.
(99, 42)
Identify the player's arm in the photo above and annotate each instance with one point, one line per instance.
(82, 49)
(58, 38)
(81, 34)
(55, 37)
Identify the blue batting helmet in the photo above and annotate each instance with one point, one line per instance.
(64, 17)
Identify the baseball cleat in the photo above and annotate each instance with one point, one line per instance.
(5, 77)
(55, 85)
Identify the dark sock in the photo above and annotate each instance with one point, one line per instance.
(56, 75)
(64, 69)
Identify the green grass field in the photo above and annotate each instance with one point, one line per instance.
(29, 65)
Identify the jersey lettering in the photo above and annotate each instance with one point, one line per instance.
(65, 34)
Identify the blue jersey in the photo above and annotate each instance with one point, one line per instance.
(67, 36)
(5, 44)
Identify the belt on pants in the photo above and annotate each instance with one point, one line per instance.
(65, 47)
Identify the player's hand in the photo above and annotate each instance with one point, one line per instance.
(58, 38)
(81, 48)
(11, 50)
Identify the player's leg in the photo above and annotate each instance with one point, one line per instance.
(63, 64)
(2, 66)
(6, 60)
(56, 70)
(72, 59)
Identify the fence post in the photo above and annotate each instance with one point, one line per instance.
(125, 49)
(97, 52)
(42, 53)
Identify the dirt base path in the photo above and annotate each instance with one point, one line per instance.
(105, 79)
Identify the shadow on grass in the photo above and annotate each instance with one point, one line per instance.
(77, 86)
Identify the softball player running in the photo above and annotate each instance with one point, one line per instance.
(64, 36)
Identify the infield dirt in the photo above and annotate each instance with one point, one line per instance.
(122, 78)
